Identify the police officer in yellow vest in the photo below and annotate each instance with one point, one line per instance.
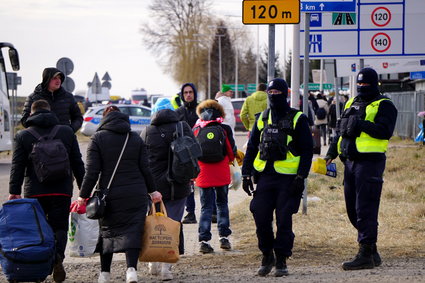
(366, 125)
(278, 158)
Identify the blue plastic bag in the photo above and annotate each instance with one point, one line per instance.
(420, 136)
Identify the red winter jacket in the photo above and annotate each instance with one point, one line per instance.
(217, 174)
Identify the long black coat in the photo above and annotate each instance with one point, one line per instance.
(62, 103)
(127, 201)
(158, 137)
(22, 168)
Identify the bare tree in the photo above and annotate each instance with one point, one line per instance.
(171, 35)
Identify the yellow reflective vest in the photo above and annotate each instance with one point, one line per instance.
(365, 143)
(173, 101)
(290, 165)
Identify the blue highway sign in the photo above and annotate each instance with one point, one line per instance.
(317, 6)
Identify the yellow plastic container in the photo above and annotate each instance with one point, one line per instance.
(319, 166)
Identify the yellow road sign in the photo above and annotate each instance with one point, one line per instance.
(271, 11)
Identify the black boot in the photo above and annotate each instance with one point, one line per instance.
(363, 260)
(280, 269)
(376, 257)
(267, 264)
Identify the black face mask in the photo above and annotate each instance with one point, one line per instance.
(367, 91)
(278, 102)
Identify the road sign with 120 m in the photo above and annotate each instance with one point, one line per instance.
(271, 12)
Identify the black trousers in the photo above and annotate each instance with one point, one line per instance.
(131, 256)
(56, 209)
(272, 197)
(362, 190)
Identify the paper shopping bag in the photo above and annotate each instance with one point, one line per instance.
(160, 240)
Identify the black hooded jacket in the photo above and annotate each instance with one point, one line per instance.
(62, 103)
(158, 137)
(22, 168)
(187, 112)
(127, 201)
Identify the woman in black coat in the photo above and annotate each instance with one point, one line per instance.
(158, 137)
(126, 204)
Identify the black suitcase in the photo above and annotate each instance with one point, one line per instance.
(316, 140)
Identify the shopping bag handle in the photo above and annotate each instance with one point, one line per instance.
(162, 209)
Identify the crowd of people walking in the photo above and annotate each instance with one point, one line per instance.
(136, 169)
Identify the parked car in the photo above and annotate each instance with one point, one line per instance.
(237, 105)
(140, 117)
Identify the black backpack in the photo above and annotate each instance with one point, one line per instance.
(49, 157)
(321, 113)
(213, 143)
(185, 151)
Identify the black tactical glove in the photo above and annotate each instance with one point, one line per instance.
(354, 126)
(247, 185)
(297, 186)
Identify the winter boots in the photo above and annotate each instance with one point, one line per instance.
(190, 218)
(267, 264)
(365, 258)
(280, 269)
(376, 257)
(59, 273)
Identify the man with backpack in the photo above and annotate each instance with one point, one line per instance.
(173, 152)
(49, 179)
(321, 120)
(218, 149)
(187, 112)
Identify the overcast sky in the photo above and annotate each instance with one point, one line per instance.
(97, 35)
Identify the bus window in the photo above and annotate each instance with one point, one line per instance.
(6, 121)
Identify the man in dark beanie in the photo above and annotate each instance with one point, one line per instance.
(62, 102)
(366, 125)
(278, 160)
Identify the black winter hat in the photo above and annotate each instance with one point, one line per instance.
(368, 76)
(278, 84)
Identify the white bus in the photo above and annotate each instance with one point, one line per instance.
(5, 113)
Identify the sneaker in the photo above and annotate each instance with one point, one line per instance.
(104, 277)
(131, 276)
(190, 218)
(154, 268)
(214, 218)
(225, 244)
(205, 248)
(59, 273)
(166, 273)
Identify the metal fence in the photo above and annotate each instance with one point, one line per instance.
(408, 105)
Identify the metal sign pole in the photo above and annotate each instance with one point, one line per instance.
(305, 79)
(271, 63)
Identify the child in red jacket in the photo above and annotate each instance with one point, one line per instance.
(218, 150)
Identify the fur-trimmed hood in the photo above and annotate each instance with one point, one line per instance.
(210, 103)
